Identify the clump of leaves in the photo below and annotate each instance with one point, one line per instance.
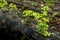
(3, 5)
(42, 20)
(13, 7)
(42, 28)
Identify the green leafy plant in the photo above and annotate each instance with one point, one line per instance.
(42, 20)
(13, 7)
(3, 5)
(42, 28)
